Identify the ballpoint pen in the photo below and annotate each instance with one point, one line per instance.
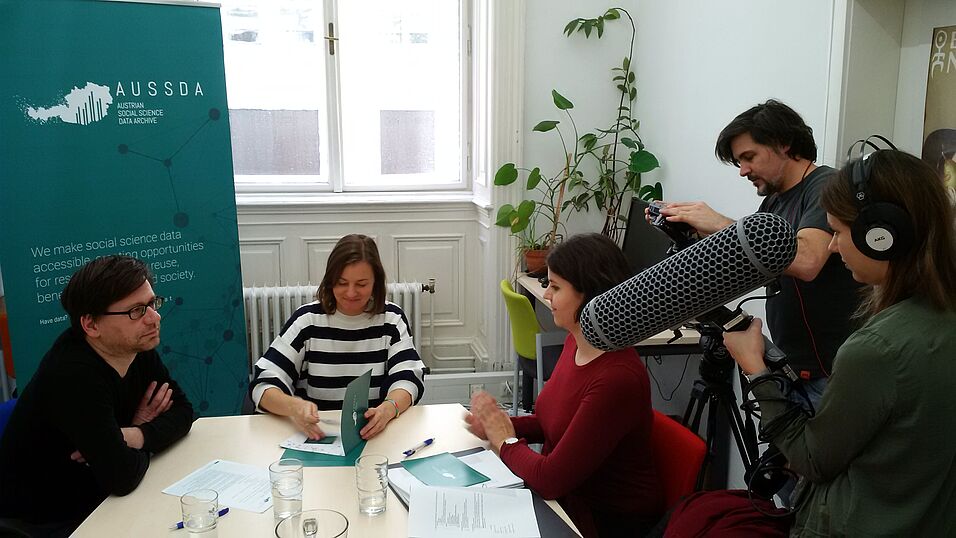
(179, 525)
(418, 447)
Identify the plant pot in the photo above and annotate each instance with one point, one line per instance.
(534, 260)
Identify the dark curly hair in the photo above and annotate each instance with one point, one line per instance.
(772, 124)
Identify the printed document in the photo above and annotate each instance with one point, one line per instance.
(240, 486)
(471, 513)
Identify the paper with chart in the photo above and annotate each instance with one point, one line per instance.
(354, 406)
(240, 486)
(471, 513)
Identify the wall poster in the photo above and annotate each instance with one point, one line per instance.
(939, 122)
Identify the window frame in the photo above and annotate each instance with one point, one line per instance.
(278, 184)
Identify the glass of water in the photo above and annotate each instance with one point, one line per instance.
(200, 512)
(313, 524)
(371, 479)
(286, 478)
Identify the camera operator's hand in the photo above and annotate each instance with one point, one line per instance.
(697, 214)
(747, 347)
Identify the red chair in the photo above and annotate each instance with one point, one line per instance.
(678, 454)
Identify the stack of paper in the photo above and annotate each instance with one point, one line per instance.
(492, 471)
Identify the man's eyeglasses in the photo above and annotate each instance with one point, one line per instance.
(139, 311)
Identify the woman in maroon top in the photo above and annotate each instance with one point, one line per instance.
(593, 416)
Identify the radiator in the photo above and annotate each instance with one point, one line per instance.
(269, 307)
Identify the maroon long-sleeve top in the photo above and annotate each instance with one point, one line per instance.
(595, 423)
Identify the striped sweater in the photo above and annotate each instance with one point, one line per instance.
(316, 355)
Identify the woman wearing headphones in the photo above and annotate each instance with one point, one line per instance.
(879, 456)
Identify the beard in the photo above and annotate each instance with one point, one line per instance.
(766, 188)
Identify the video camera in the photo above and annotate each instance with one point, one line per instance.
(680, 233)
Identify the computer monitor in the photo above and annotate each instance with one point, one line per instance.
(644, 245)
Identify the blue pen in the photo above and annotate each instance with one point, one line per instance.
(179, 525)
(418, 447)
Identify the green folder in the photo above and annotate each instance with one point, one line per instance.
(354, 406)
(444, 470)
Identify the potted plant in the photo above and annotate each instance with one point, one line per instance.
(544, 208)
(603, 166)
(616, 154)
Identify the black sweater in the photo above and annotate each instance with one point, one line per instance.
(76, 401)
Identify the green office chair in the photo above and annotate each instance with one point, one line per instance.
(529, 342)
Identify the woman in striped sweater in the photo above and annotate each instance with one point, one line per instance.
(349, 330)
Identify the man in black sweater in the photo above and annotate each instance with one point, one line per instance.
(99, 404)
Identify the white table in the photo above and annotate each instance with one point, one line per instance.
(255, 440)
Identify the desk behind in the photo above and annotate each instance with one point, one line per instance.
(255, 440)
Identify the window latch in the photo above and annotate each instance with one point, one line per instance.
(331, 39)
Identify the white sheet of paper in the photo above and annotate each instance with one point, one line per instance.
(298, 442)
(329, 427)
(489, 464)
(240, 486)
(471, 513)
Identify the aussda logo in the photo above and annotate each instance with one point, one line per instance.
(81, 106)
(132, 102)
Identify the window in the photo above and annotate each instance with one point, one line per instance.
(346, 96)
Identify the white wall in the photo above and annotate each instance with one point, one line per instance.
(701, 63)
(872, 70)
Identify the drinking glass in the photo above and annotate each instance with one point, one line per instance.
(200, 512)
(371, 479)
(286, 478)
(313, 524)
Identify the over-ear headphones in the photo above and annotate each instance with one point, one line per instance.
(882, 230)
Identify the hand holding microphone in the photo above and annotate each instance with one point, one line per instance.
(752, 350)
(747, 347)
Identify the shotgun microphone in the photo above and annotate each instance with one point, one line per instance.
(706, 275)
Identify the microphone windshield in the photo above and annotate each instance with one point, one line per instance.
(708, 274)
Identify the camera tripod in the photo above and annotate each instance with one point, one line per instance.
(714, 391)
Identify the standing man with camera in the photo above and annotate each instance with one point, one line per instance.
(810, 316)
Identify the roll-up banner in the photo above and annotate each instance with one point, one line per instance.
(114, 138)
